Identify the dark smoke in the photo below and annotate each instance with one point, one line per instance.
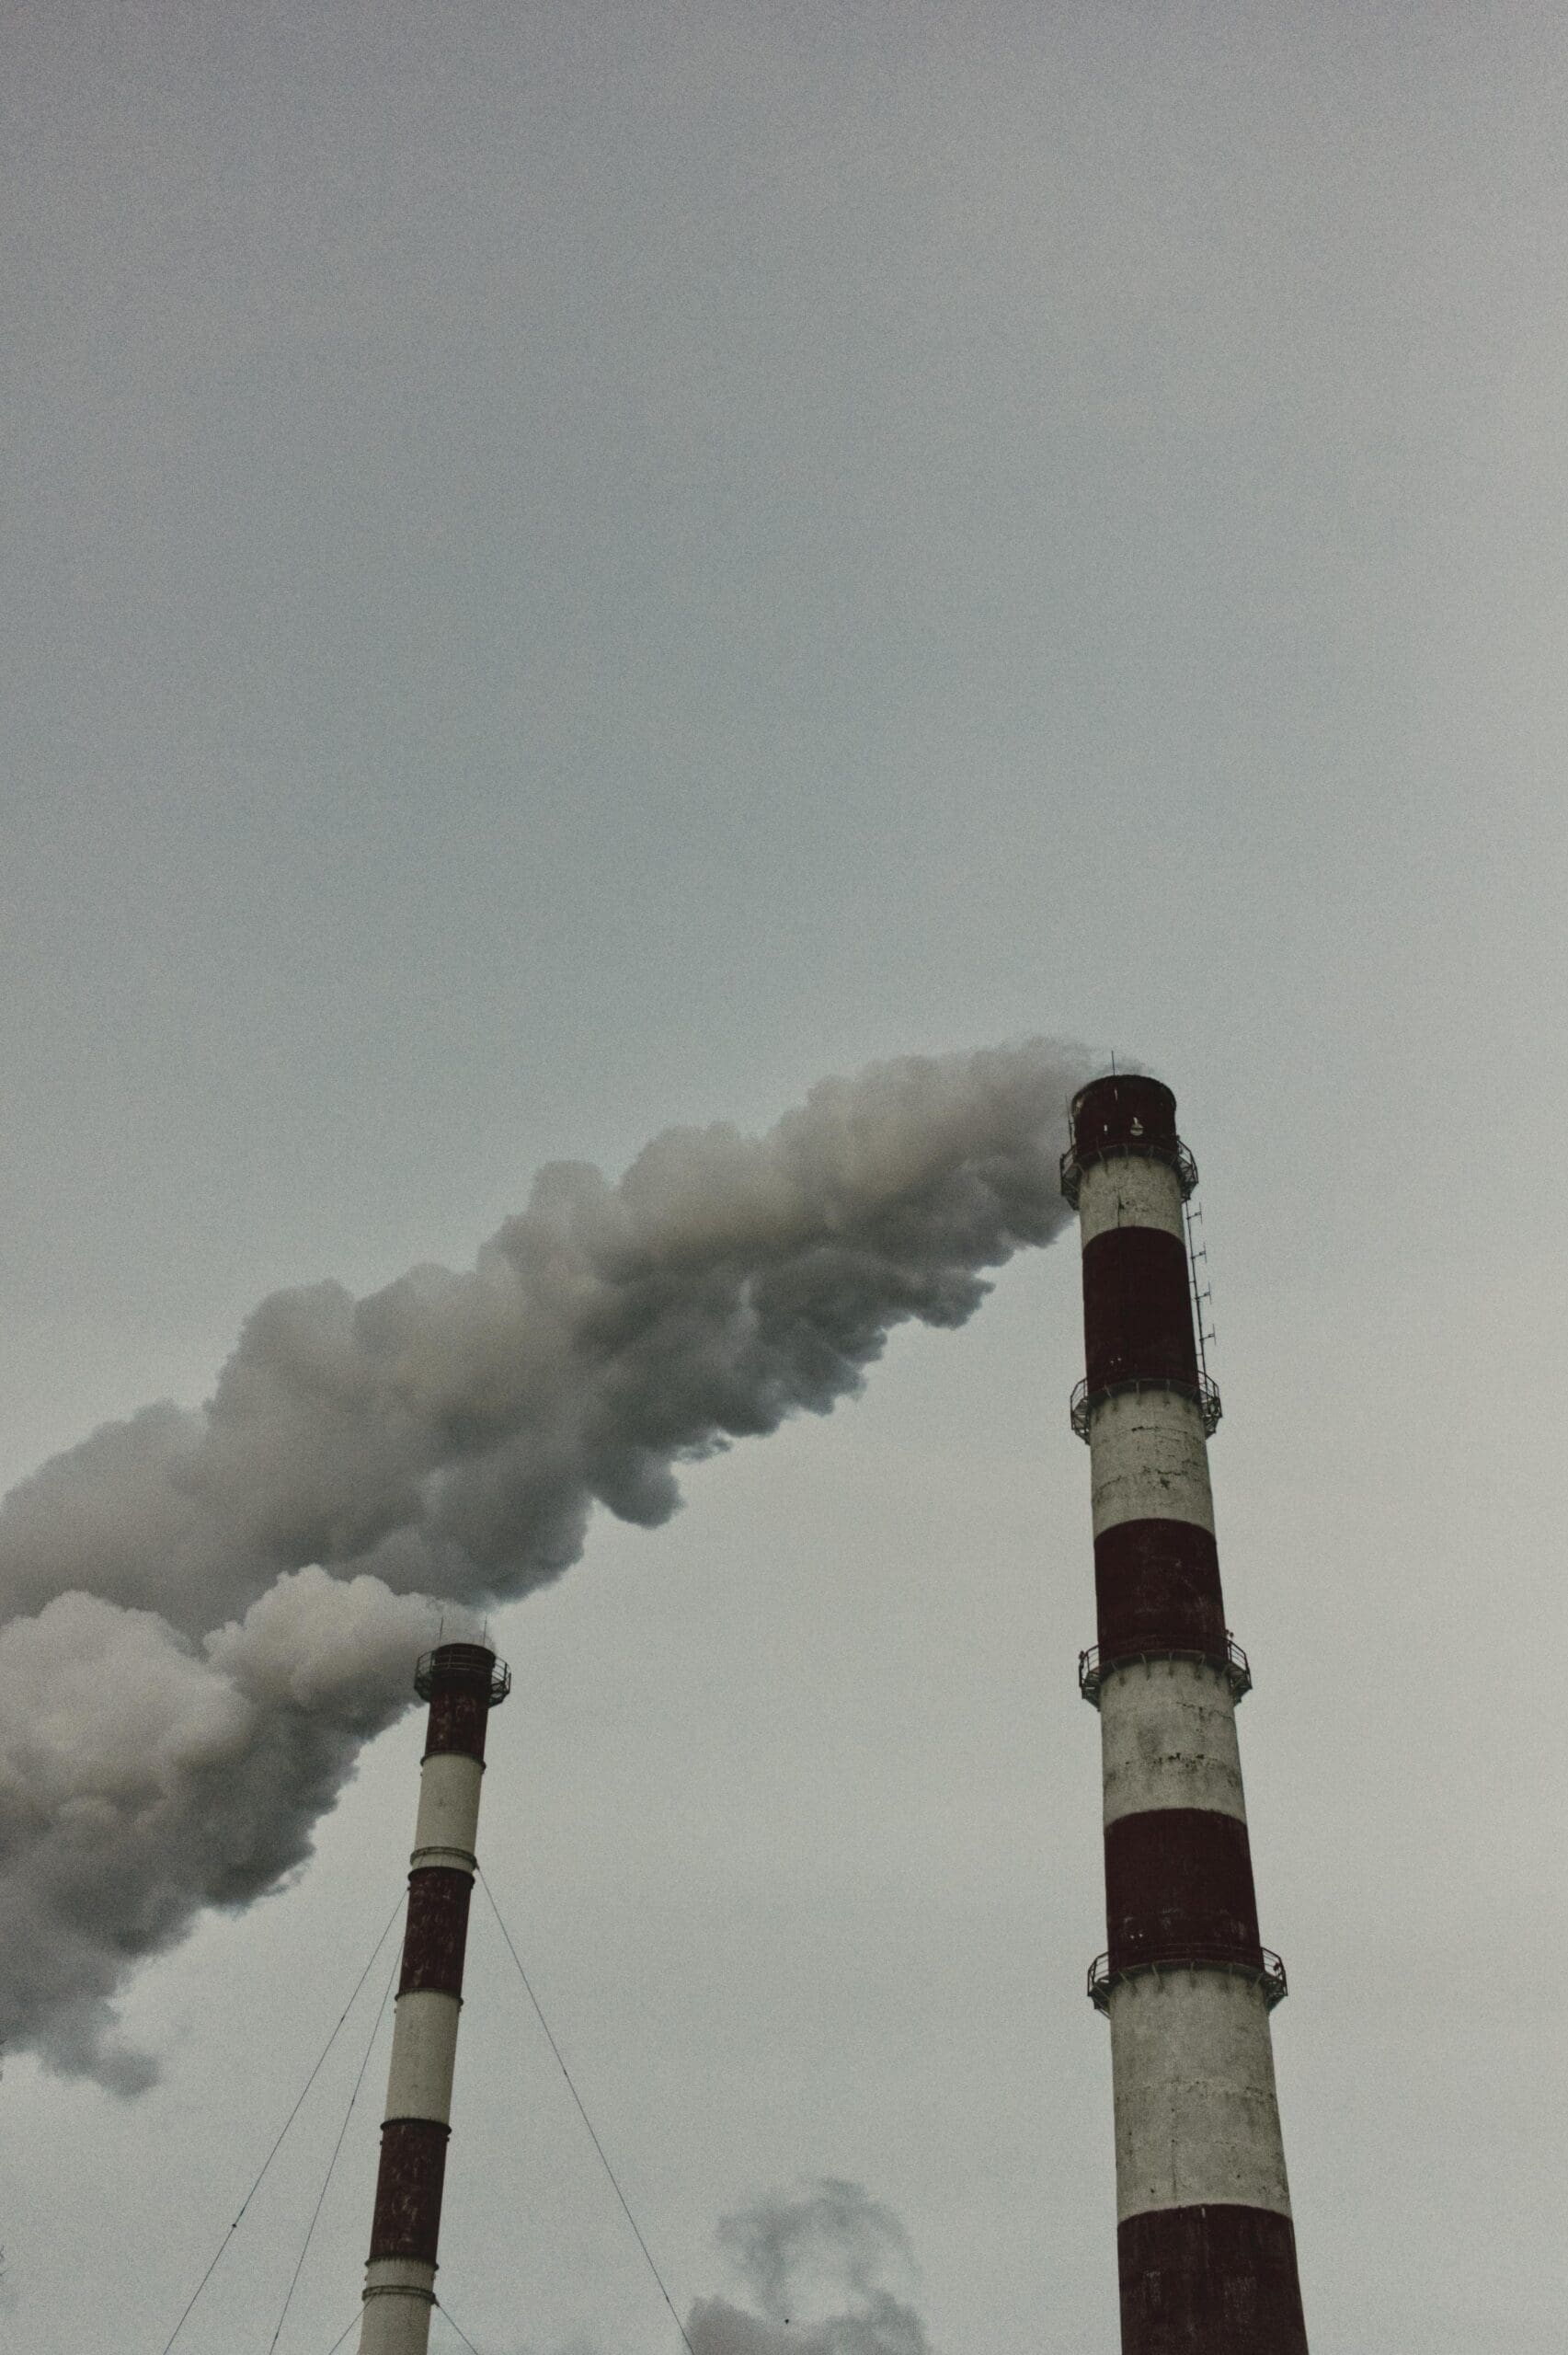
(204, 1615)
(824, 2267)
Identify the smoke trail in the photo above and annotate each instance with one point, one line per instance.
(221, 1607)
(830, 2246)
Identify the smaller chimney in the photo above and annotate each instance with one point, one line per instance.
(462, 1682)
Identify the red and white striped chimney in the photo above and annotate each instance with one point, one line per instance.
(462, 1682)
(1206, 2251)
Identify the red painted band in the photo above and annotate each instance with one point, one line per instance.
(1217, 2281)
(437, 1931)
(464, 1682)
(1124, 1108)
(459, 1714)
(1157, 1589)
(1137, 1315)
(1179, 1888)
(408, 2189)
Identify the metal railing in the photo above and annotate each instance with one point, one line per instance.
(500, 1678)
(1176, 1157)
(1094, 1666)
(1268, 1974)
(1201, 1391)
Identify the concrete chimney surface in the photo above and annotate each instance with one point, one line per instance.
(1206, 2252)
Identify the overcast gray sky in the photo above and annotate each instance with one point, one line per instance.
(575, 569)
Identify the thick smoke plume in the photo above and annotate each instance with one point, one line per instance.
(824, 2267)
(203, 1616)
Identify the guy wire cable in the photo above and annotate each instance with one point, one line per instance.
(346, 2330)
(447, 2315)
(332, 2161)
(288, 2121)
(582, 2113)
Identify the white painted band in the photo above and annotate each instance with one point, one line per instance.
(1129, 1189)
(1168, 1738)
(424, 2055)
(452, 1860)
(1149, 1459)
(1196, 2114)
(399, 2302)
(387, 2275)
(449, 1802)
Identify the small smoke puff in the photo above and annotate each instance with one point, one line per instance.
(830, 2233)
(223, 1605)
(881, 2325)
(821, 2263)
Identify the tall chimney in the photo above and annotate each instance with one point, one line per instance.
(1206, 2251)
(462, 1682)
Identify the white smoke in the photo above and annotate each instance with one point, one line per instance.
(824, 2269)
(203, 1616)
(143, 1776)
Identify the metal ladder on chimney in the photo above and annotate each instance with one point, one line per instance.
(1203, 1302)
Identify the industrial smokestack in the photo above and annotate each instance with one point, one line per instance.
(1206, 2251)
(462, 1682)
